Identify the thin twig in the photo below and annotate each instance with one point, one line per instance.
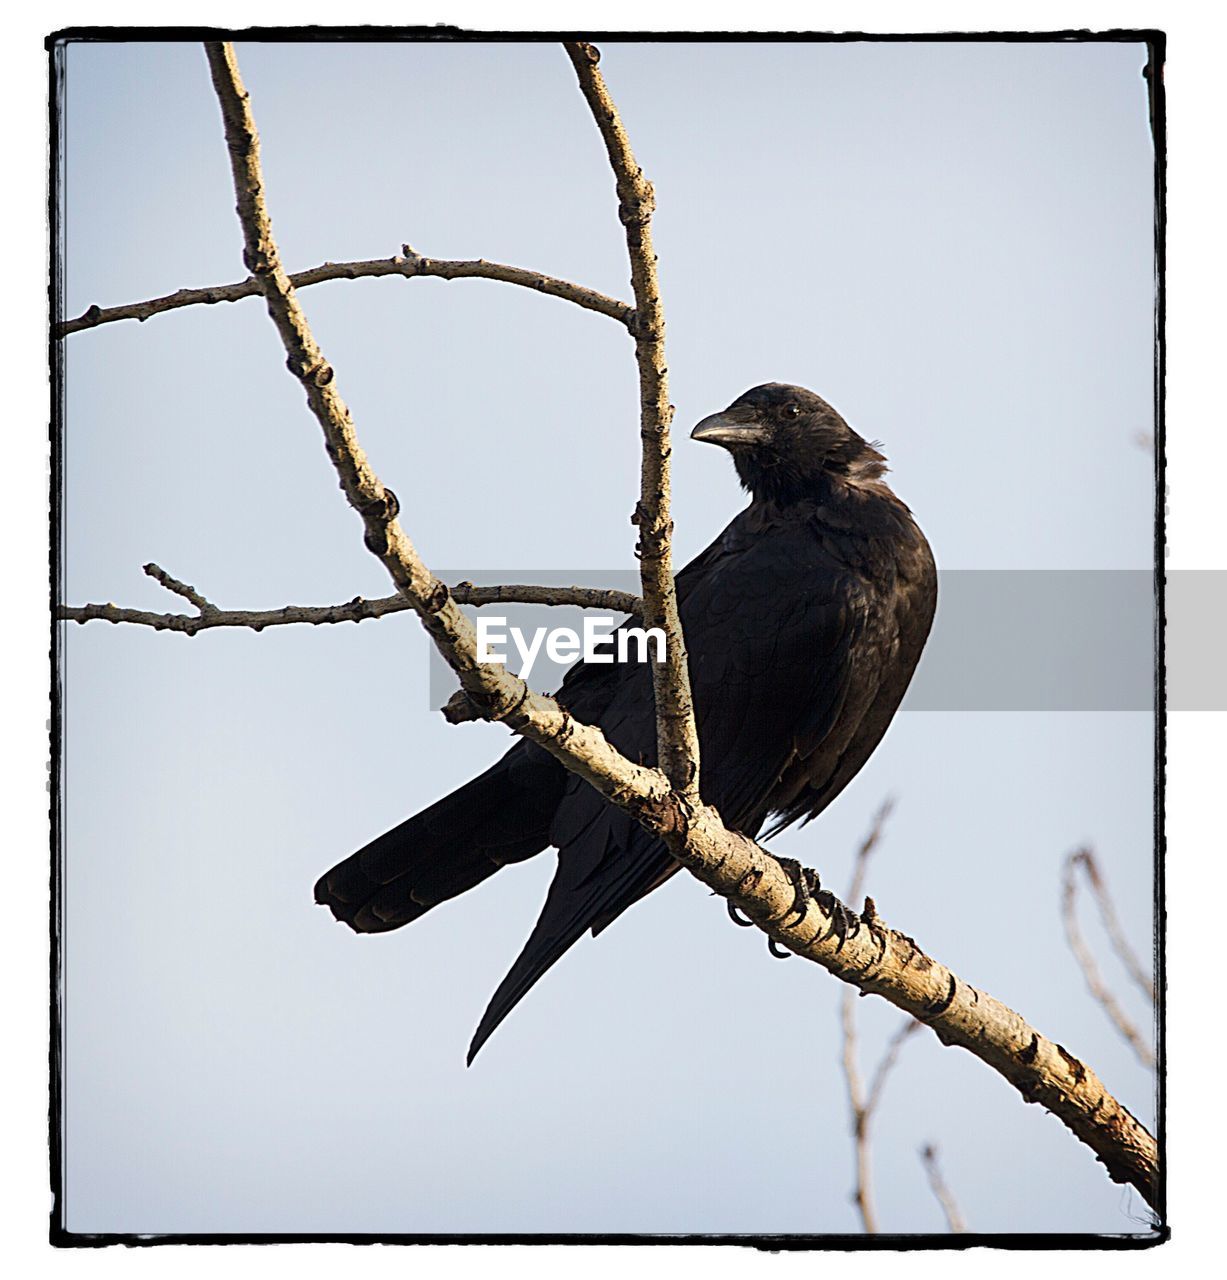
(677, 738)
(582, 597)
(1111, 923)
(864, 1103)
(409, 266)
(190, 594)
(886, 1064)
(870, 955)
(1086, 960)
(868, 845)
(954, 1219)
(356, 610)
(862, 1191)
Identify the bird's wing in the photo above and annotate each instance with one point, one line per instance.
(770, 624)
(588, 688)
(774, 631)
(882, 669)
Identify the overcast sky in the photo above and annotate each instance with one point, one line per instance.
(951, 243)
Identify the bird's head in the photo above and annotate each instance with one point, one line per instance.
(786, 441)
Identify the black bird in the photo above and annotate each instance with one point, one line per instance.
(804, 621)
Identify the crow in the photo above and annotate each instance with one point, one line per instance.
(803, 621)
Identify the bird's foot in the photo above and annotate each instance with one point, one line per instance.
(841, 923)
(805, 887)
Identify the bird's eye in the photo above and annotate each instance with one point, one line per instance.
(792, 411)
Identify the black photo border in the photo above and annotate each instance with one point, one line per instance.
(55, 44)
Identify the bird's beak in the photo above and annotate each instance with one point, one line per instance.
(733, 429)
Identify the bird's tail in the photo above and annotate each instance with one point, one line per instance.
(577, 902)
(501, 816)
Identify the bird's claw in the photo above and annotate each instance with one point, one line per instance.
(845, 924)
(841, 923)
(807, 888)
(736, 917)
(805, 885)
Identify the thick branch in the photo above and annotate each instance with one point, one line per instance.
(409, 266)
(355, 610)
(882, 961)
(676, 734)
(875, 958)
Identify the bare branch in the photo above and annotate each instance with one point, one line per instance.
(581, 597)
(790, 909)
(190, 594)
(887, 1063)
(677, 748)
(410, 266)
(1086, 961)
(954, 1219)
(861, 864)
(355, 610)
(1111, 923)
(863, 1104)
(882, 961)
(502, 695)
(862, 1192)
